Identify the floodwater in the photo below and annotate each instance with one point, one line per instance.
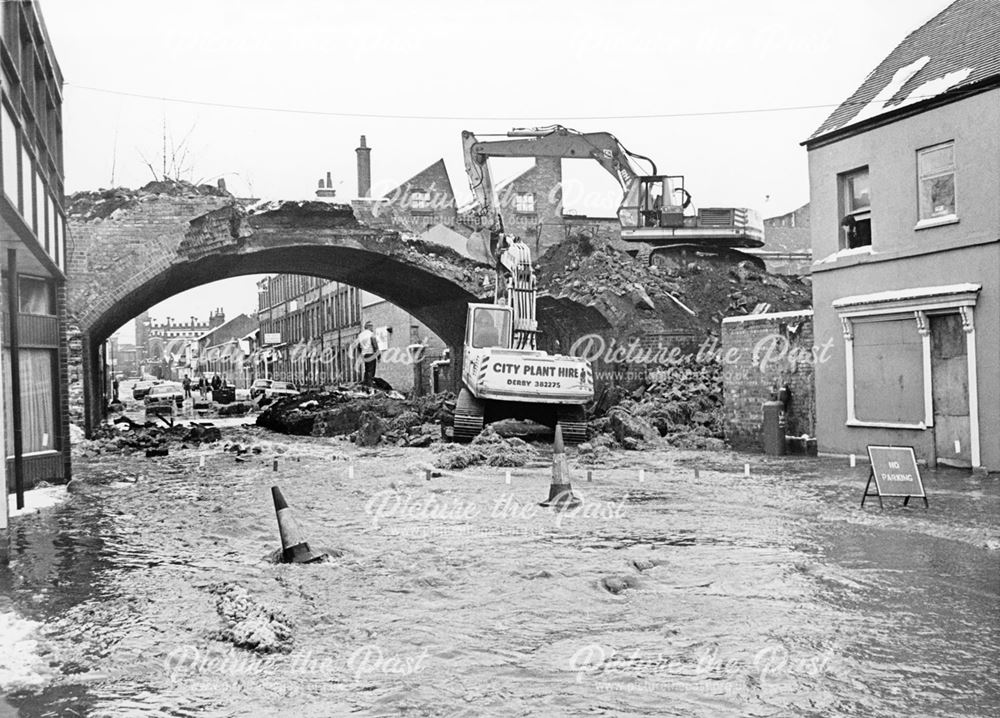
(768, 595)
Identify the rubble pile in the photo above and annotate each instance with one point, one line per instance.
(683, 404)
(594, 272)
(370, 419)
(489, 448)
(101, 204)
(236, 408)
(249, 623)
(125, 436)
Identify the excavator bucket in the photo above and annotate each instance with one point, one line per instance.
(478, 247)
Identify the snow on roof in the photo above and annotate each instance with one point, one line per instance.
(956, 48)
(800, 314)
(904, 294)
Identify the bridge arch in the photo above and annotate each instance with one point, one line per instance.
(129, 250)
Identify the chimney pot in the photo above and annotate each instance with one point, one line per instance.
(329, 181)
(222, 183)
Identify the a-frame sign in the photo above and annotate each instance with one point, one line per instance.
(894, 473)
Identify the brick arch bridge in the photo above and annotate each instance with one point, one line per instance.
(130, 249)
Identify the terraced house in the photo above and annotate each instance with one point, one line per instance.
(33, 257)
(905, 201)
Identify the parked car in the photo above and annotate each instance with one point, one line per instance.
(141, 388)
(280, 389)
(163, 394)
(258, 388)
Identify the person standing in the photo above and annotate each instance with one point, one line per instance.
(369, 350)
(202, 385)
(216, 384)
(114, 389)
(187, 386)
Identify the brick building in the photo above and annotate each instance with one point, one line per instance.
(904, 184)
(33, 231)
(222, 350)
(308, 328)
(168, 348)
(787, 243)
(531, 205)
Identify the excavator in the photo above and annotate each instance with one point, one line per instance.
(656, 212)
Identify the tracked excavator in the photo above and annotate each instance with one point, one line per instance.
(656, 213)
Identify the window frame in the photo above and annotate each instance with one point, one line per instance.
(851, 216)
(938, 220)
(423, 205)
(522, 196)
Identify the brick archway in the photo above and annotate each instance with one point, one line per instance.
(129, 250)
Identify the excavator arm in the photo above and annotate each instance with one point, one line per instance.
(555, 141)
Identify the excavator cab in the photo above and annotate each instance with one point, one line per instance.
(488, 326)
(655, 201)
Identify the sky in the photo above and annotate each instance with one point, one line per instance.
(702, 88)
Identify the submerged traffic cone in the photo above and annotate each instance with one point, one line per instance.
(293, 548)
(560, 491)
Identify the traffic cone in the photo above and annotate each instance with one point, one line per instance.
(293, 548)
(560, 490)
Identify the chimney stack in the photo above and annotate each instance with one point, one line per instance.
(222, 183)
(325, 189)
(364, 169)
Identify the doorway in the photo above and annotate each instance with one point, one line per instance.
(950, 390)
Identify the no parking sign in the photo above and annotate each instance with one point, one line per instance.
(894, 471)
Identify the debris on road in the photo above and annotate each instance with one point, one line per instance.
(371, 418)
(127, 436)
(488, 448)
(682, 403)
(249, 623)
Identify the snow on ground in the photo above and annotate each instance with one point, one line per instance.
(20, 664)
(37, 499)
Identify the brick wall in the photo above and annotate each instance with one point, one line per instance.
(64, 379)
(760, 354)
(543, 227)
(405, 214)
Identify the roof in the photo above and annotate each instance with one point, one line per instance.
(957, 48)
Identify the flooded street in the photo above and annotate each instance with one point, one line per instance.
(767, 595)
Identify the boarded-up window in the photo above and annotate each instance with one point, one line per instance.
(888, 371)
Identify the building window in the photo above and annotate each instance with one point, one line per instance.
(936, 171)
(524, 202)
(420, 200)
(26, 202)
(38, 400)
(36, 295)
(856, 218)
(8, 136)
